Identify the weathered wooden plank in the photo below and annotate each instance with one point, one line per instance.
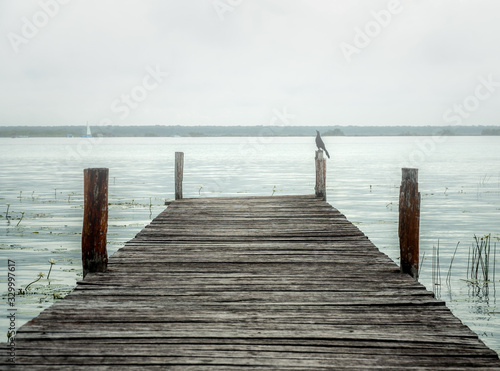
(340, 317)
(245, 343)
(136, 349)
(274, 360)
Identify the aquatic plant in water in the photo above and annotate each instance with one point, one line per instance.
(448, 276)
(479, 264)
(421, 264)
(40, 275)
(19, 222)
(436, 270)
(52, 262)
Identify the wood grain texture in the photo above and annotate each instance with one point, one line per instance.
(409, 222)
(179, 174)
(282, 283)
(95, 220)
(320, 187)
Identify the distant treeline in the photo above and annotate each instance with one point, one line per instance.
(218, 131)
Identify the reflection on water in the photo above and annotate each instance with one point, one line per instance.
(459, 181)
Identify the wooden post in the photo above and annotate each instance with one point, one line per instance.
(95, 220)
(320, 188)
(409, 221)
(179, 173)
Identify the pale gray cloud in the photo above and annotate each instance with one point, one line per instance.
(420, 58)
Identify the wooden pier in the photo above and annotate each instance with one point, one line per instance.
(283, 282)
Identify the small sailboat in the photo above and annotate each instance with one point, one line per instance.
(89, 133)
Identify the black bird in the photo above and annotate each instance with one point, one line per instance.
(320, 144)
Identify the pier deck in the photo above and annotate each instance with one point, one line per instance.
(263, 282)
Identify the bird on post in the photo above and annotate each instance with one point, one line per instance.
(320, 144)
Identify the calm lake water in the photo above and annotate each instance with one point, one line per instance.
(459, 181)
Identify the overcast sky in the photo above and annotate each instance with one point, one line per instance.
(249, 62)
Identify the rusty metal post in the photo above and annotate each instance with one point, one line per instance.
(409, 222)
(95, 220)
(320, 188)
(179, 174)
